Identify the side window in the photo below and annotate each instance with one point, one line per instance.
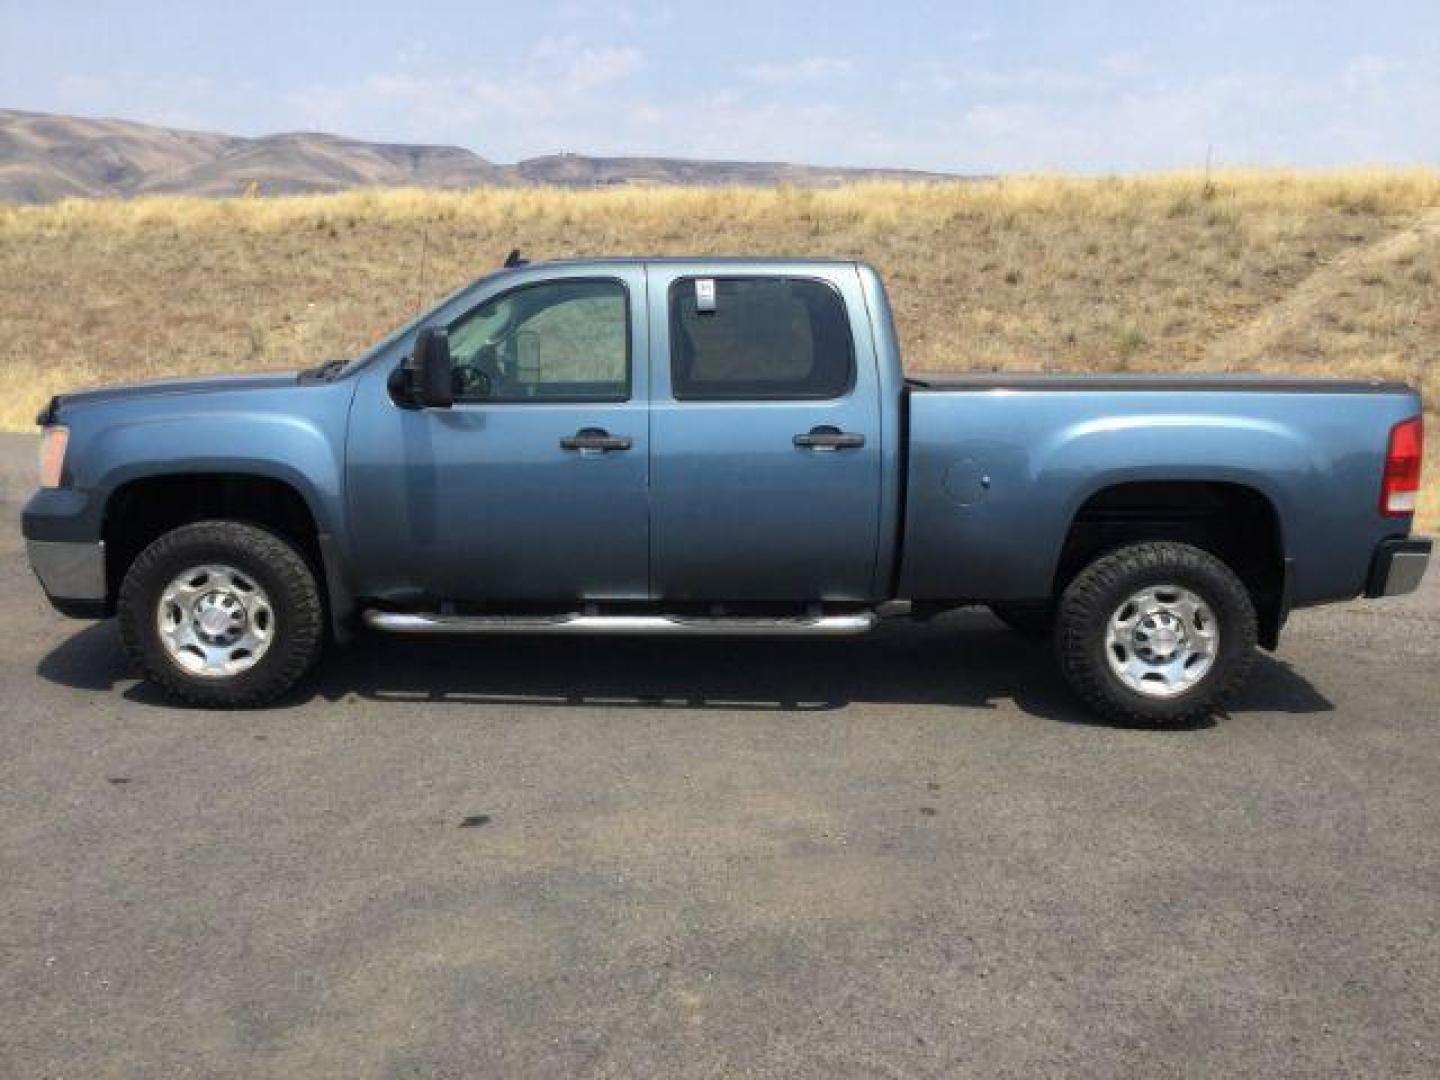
(763, 337)
(557, 340)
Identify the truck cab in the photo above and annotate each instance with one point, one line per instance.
(657, 431)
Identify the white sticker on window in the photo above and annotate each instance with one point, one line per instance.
(704, 294)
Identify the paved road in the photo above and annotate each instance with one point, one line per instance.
(907, 856)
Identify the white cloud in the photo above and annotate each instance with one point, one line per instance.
(1246, 118)
(557, 97)
(1124, 113)
(578, 66)
(1126, 65)
(725, 127)
(596, 67)
(412, 52)
(632, 16)
(948, 77)
(805, 69)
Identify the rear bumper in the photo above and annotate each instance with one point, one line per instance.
(1398, 566)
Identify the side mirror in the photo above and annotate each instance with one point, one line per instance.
(425, 375)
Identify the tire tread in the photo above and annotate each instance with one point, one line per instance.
(1084, 606)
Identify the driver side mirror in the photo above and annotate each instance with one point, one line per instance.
(424, 379)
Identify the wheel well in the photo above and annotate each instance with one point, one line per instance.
(1235, 523)
(143, 510)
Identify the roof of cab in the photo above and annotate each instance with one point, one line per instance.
(723, 260)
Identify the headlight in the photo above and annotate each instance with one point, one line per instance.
(53, 441)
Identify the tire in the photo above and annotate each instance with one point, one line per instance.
(1029, 620)
(1091, 624)
(282, 602)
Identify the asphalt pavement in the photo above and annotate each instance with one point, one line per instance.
(909, 855)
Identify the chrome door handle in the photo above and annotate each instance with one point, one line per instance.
(827, 437)
(596, 439)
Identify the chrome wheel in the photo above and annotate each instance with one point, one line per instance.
(1162, 641)
(215, 621)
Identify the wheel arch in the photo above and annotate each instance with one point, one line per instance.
(146, 506)
(1237, 522)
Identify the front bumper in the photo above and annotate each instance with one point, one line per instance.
(62, 541)
(1398, 566)
(72, 575)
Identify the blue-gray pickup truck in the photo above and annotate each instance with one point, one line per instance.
(715, 447)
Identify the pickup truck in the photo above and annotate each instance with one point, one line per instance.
(715, 447)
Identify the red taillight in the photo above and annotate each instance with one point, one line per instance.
(1400, 489)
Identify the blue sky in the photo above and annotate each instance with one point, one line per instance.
(973, 87)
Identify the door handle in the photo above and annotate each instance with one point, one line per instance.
(596, 439)
(826, 437)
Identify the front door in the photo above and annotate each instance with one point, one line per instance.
(534, 485)
(765, 435)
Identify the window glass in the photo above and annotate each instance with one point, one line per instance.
(562, 340)
(767, 337)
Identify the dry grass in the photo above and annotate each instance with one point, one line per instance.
(1324, 273)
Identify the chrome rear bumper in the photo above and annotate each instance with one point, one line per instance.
(1398, 566)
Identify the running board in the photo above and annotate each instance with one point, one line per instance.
(397, 622)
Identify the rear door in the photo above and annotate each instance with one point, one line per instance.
(765, 434)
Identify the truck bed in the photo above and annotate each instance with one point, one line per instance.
(1001, 464)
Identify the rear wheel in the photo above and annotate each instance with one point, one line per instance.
(221, 614)
(1157, 634)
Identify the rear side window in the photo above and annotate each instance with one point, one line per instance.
(763, 337)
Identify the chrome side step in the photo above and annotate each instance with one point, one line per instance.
(397, 622)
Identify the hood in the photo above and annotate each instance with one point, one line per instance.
(163, 387)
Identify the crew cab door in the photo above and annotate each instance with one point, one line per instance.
(765, 435)
(533, 486)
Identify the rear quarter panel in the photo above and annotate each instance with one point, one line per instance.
(998, 474)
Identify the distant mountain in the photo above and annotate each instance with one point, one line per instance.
(578, 170)
(45, 157)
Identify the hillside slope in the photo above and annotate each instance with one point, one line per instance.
(44, 158)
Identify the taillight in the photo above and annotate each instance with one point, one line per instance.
(1400, 489)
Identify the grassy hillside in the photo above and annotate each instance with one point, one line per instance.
(1318, 273)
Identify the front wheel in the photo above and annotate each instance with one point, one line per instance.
(1158, 634)
(221, 614)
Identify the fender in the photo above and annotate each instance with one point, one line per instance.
(289, 449)
(997, 479)
(1177, 447)
(296, 452)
